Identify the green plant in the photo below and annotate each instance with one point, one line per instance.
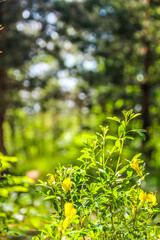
(13, 190)
(103, 198)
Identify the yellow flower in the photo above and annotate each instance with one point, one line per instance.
(135, 166)
(133, 209)
(52, 179)
(73, 212)
(66, 223)
(142, 197)
(69, 210)
(152, 199)
(66, 185)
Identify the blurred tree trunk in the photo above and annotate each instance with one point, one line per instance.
(3, 84)
(145, 86)
(146, 89)
(3, 106)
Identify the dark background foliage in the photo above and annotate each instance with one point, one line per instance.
(66, 66)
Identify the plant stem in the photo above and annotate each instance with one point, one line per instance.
(103, 152)
(120, 154)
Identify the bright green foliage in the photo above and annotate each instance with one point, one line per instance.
(103, 198)
(17, 208)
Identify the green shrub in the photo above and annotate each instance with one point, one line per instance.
(103, 198)
(12, 190)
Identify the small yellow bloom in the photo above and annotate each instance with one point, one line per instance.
(152, 199)
(73, 212)
(66, 223)
(142, 197)
(69, 210)
(52, 179)
(133, 209)
(66, 185)
(135, 166)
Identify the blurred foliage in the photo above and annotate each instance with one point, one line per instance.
(66, 66)
(21, 209)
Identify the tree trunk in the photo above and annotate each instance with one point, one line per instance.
(145, 86)
(3, 106)
(3, 84)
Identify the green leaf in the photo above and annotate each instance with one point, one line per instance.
(101, 170)
(111, 137)
(3, 192)
(104, 172)
(40, 181)
(135, 115)
(115, 193)
(121, 130)
(114, 119)
(8, 158)
(117, 144)
(55, 206)
(122, 170)
(3, 215)
(140, 132)
(18, 189)
(137, 156)
(49, 197)
(109, 170)
(129, 137)
(35, 221)
(142, 135)
(35, 238)
(129, 173)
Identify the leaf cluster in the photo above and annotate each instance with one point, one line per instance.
(110, 203)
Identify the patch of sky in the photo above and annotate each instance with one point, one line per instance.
(40, 69)
(140, 77)
(54, 35)
(66, 82)
(70, 61)
(37, 16)
(82, 96)
(107, 10)
(50, 29)
(50, 46)
(26, 14)
(24, 94)
(20, 26)
(37, 107)
(138, 107)
(26, 83)
(51, 18)
(90, 65)
(41, 42)
(75, 0)
(70, 103)
(31, 27)
(108, 36)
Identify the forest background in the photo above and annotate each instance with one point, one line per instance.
(66, 66)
